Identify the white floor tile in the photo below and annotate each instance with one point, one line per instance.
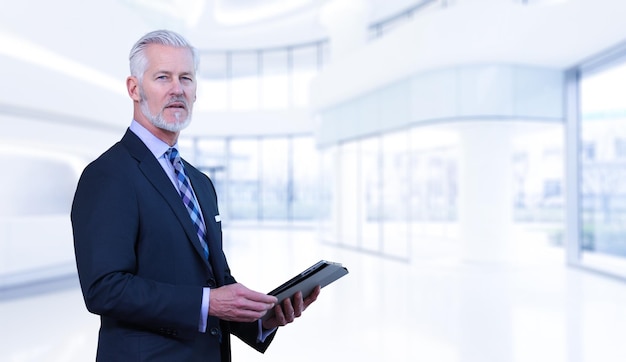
(433, 309)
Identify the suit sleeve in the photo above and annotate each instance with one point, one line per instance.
(249, 332)
(105, 217)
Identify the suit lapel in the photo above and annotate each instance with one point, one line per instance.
(154, 173)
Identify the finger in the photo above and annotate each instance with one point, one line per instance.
(312, 297)
(248, 315)
(260, 297)
(298, 304)
(288, 310)
(279, 315)
(256, 306)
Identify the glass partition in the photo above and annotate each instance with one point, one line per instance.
(306, 191)
(275, 193)
(370, 182)
(349, 205)
(263, 178)
(603, 167)
(395, 191)
(244, 183)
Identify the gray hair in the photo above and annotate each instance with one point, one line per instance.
(137, 58)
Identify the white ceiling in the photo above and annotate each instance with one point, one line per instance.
(99, 34)
(69, 57)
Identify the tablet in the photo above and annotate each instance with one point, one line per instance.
(321, 273)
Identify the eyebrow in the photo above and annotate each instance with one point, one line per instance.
(168, 72)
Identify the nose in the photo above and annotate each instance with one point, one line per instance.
(177, 87)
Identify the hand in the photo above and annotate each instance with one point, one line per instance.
(237, 303)
(288, 311)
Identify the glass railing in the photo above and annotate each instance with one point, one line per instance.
(383, 26)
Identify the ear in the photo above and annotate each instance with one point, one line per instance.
(132, 85)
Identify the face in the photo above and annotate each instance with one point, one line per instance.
(168, 89)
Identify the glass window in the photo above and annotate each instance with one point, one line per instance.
(433, 180)
(323, 55)
(395, 191)
(305, 63)
(212, 160)
(275, 80)
(212, 95)
(307, 200)
(243, 183)
(213, 85)
(349, 203)
(370, 186)
(328, 215)
(244, 81)
(588, 151)
(275, 179)
(603, 170)
(538, 177)
(620, 147)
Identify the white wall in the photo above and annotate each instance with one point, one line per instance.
(556, 35)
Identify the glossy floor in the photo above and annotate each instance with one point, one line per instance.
(435, 308)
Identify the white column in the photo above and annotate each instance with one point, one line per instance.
(485, 191)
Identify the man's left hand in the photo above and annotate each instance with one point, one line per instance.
(287, 312)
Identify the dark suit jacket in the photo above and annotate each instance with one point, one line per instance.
(140, 263)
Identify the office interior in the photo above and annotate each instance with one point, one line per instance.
(465, 160)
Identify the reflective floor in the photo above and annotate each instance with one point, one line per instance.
(435, 308)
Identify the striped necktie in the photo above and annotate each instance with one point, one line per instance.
(188, 197)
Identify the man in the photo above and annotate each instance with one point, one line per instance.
(147, 233)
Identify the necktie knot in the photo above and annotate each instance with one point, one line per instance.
(172, 155)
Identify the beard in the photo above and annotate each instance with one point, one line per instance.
(159, 121)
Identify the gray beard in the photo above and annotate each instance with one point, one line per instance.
(158, 120)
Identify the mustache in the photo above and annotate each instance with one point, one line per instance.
(174, 100)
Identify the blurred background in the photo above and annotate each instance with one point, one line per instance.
(464, 159)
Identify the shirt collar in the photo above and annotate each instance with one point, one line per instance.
(154, 144)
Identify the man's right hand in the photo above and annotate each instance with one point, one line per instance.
(237, 303)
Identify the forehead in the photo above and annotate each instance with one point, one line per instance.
(168, 58)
